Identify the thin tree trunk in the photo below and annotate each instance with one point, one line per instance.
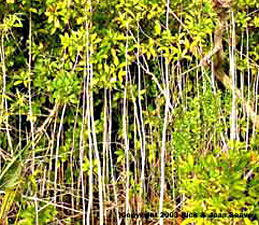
(166, 85)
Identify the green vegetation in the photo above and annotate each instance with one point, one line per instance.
(129, 106)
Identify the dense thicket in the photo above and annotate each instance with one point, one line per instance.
(128, 106)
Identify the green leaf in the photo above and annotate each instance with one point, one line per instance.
(157, 28)
(18, 82)
(115, 58)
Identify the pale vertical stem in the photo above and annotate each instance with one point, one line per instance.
(125, 136)
(81, 143)
(248, 85)
(88, 98)
(2, 54)
(241, 73)
(142, 134)
(162, 176)
(256, 102)
(20, 129)
(44, 181)
(104, 132)
(81, 156)
(30, 112)
(111, 160)
(135, 138)
(232, 71)
(36, 212)
(162, 173)
(197, 83)
(107, 195)
(173, 169)
(57, 152)
(90, 192)
(104, 145)
(81, 159)
(86, 219)
(95, 144)
(212, 70)
(52, 147)
(72, 155)
(99, 170)
(137, 129)
(29, 90)
(204, 86)
(4, 106)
